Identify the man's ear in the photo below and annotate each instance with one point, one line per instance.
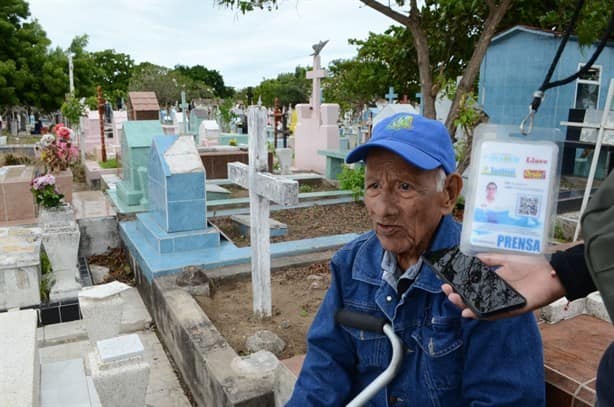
(451, 191)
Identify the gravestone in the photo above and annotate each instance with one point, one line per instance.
(16, 200)
(136, 143)
(263, 187)
(209, 133)
(177, 220)
(197, 115)
(316, 128)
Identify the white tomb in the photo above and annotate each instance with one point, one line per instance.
(19, 267)
(119, 372)
(19, 363)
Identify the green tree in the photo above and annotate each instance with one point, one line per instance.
(24, 62)
(167, 84)
(355, 82)
(446, 34)
(113, 73)
(209, 77)
(290, 88)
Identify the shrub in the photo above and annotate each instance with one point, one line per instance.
(353, 179)
(305, 188)
(13, 159)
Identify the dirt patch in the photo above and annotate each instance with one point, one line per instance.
(116, 261)
(297, 293)
(304, 223)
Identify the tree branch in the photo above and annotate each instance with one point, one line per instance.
(387, 11)
(495, 15)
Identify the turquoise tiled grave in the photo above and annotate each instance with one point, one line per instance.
(131, 191)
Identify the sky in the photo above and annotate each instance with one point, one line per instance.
(245, 49)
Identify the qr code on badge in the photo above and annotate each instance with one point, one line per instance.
(527, 205)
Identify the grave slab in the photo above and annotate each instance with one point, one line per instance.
(19, 363)
(216, 192)
(64, 383)
(153, 264)
(19, 267)
(164, 388)
(243, 224)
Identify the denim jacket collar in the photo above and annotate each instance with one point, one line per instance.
(367, 267)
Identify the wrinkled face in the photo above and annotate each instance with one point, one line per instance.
(403, 204)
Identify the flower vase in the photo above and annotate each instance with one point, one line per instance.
(62, 214)
(61, 242)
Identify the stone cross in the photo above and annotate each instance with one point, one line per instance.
(316, 93)
(263, 187)
(391, 96)
(101, 101)
(184, 107)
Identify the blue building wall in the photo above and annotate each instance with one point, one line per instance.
(514, 67)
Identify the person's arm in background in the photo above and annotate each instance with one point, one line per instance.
(324, 379)
(539, 281)
(503, 362)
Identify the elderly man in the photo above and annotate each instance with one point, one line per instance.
(410, 189)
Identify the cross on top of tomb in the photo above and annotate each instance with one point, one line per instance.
(391, 96)
(184, 107)
(263, 187)
(316, 93)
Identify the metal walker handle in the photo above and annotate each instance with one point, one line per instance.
(378, 325)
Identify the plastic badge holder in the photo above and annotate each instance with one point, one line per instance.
(510, 200)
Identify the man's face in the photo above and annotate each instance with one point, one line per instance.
(491, 191)
(403, 204)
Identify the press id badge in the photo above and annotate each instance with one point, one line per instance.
(513, 185)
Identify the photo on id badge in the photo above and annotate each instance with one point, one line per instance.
(511, 193)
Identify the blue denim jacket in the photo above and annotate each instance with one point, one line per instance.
(448, 360)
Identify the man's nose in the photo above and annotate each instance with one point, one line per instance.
(386, 204)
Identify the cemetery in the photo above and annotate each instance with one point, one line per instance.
(157, 253)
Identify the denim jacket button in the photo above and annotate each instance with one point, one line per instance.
(389, 298)
(392, 399)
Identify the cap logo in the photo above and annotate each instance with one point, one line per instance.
(403, 122)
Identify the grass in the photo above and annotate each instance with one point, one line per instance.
(46, 277)
(110, 163)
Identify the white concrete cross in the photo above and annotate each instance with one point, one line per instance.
(184, 107)
(263, 187)
(316, 93)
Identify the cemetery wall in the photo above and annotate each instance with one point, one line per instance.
(201, 354)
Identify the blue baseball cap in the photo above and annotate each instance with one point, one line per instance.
(422, 142)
